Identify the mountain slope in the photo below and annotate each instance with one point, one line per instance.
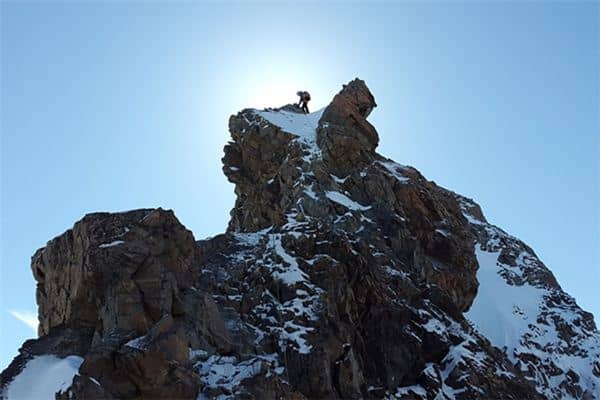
(342, 274)
(521, 308)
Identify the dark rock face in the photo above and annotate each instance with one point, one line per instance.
(342, 274)
(346, 136)
(124, 271)
(111, 279)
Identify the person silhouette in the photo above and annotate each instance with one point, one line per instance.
(304, 99)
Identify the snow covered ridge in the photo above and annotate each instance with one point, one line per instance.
(42, 377)
(302, 125)
(521, 309)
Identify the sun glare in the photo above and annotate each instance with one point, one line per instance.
(273, 84)
(275, 94)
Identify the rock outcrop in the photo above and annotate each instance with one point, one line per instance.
(342, 274)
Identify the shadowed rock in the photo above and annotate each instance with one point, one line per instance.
(341, 275)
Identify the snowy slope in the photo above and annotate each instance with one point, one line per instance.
(42, 377)
(302, 125)
(521, 309)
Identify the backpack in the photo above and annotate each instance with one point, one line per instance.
(306, 96)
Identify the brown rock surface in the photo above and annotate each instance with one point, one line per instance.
(342, 275)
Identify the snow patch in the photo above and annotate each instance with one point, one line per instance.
(222, 372)
(345, 201)
(111, 244)
(395, 170)
(310, 192)
(337, 179)
(523, 316)
(292, 274)
(409, 390)
(500, 311)
(301, 125)
(250, 239)
(137, 343)
(42, 377)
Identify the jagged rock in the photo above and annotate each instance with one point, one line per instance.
(112, 278)
(342, 274)
(123, 271)
(345, 136)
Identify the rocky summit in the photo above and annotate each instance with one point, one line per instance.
(341, 275)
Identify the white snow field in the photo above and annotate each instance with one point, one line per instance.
(301, 125)
(521, 317)
(42, 377)
(502, 312)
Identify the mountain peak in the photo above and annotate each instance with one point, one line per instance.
(273, 150)
(341, 275)
(344, 129)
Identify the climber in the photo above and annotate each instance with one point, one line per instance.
(304, 99)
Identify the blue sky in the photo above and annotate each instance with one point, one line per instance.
(110, 106)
